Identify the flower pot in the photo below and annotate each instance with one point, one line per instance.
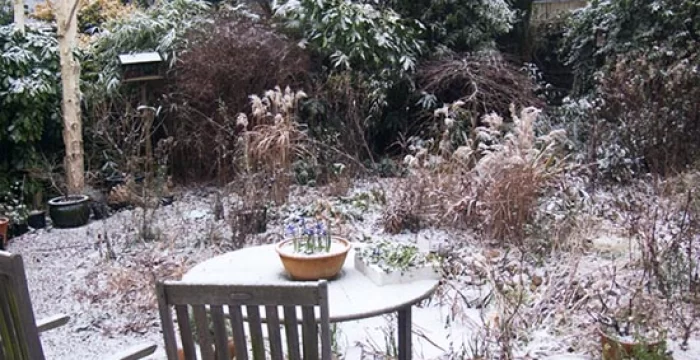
(313, 266)
(18, 229)
(615, 348)
(37, 219)
(69, 211)
(4, 224)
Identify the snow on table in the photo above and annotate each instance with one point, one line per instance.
(351, 294)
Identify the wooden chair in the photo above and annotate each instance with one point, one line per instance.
(217, 308)
(19, 333)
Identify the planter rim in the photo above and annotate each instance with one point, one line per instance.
(629, 343)
(68, 200)
(322, 255)
(4, 219)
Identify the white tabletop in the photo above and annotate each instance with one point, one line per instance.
(351, 295)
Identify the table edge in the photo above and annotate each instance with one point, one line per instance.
(387, 310)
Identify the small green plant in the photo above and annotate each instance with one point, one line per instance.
(392, 256)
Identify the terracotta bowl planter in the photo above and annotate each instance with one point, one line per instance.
(69, 211)
(617, 349)
(316, 266)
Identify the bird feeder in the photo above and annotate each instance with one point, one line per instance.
(144, 66)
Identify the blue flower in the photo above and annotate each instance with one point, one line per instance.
(290, 229)
(308, 231)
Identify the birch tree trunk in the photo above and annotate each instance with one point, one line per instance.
(66, 19)
(19, 14)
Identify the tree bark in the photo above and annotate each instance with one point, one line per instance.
(66, 19)
(19, 14)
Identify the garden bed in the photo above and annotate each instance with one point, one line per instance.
(101, 275)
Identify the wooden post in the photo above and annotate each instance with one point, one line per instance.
(19, 14)
(66, 19)
(147, 117)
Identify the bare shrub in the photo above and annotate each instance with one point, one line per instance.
(666, 230)
(336, 113)
(405, 208)
(651, 110)
(126, 286)
(483, 82)
(119, 134)
(228, 60)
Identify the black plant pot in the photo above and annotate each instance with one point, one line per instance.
(37, 219)
(18, 230)
(69, 211)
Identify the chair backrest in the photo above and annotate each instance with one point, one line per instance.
(218, 308)
(19, 337)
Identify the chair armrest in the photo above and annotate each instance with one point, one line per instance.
(135, 352)
(52, 322)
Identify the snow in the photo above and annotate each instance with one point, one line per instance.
(102, 276)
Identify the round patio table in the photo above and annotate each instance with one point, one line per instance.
(351, 295)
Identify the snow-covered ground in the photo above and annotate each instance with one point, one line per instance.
(102, 275)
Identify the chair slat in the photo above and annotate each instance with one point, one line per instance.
(220, 336)
(291, 328)
(191, 294)
(324, 321)
(256, 335)
(12, 329)
(183, 322)
(203, 334)
(252, 341)
(166, 320)
(7, 333)
(20, 306)
(2, 350)
(309, 333)
(239, 339)
(273, 332)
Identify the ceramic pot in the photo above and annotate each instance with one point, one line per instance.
(313, 267)
(617, 349)
(69, 211)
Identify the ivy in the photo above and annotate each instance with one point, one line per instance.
(667, 30)
(29, 93)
